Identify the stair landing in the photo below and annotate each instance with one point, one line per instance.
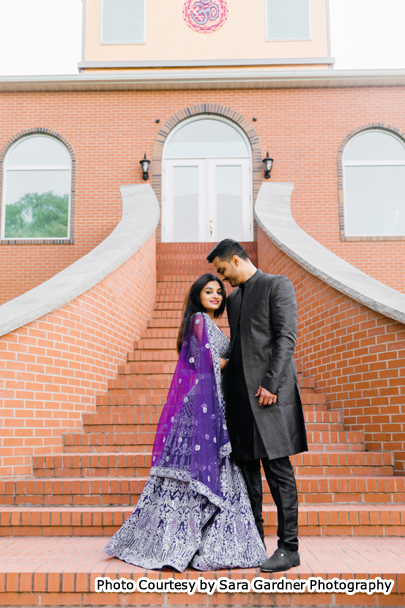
(62, 572)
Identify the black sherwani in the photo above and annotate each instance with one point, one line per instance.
(263, 320)
(268, 330)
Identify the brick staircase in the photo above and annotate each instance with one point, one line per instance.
(91, 488)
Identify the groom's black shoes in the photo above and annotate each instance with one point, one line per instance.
(281, 560)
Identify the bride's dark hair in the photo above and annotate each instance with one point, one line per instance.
(192, 304)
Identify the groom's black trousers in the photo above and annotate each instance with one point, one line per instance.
(280, 477)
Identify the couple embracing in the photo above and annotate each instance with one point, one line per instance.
(231, 407)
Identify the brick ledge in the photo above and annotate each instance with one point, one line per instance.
(140, 217)
(273, 213)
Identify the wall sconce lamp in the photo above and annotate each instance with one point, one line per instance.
(268, 165)
(145, 167)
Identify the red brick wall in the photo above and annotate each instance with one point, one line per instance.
(356, 355)
(52, 369)
(110, 132)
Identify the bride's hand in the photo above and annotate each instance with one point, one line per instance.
(223, 362)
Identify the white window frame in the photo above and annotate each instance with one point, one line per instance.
(367, 163)
(7, 167)
(267, 37)
(102, 43)
(167, 163)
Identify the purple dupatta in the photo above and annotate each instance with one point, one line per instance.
(192, 437)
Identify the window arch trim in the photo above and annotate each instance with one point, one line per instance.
(5, 151)
(389, 129)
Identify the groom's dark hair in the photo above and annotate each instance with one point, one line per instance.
(226, 249)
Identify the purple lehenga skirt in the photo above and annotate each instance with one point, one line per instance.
(195, 509)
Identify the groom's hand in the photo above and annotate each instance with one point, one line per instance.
(266, 398)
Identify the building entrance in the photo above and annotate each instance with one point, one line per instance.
(207, 183)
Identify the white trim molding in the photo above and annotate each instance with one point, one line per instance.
(206, 79)
(201, 63)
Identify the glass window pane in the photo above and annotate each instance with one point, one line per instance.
(375, 201)
(185, 204)
(288, 19)
(229, 202)
(374, 145)
(123, 21)
(206, 138)
(39, 150)
(37, 204)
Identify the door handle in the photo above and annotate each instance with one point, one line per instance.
(211, 227)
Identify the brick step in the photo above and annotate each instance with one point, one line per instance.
(180, 290)
(183, 254)
(176, 293)
(61, 571)
(169, 254)
(155, 344)
(317, 440)
(162, 353)
(151, 413)
(146, 427)
(311, 401)
(169, 306)
(190, 268)
(164, 356)
(314, 520)
(125, 445)
(138, 392)
(162, 381)
(135, 417)
(157, 409)
(134, 464)
(140, 381)
(118, 401)
(170, 298)
(162, 333)
(176, 278)
(127, 424)
(102, 491)
(174, 323)
(168, 314)
(161, 368)
(149, 369)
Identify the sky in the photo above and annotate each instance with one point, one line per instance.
(41, 37)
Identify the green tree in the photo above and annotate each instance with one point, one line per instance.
(38, 216)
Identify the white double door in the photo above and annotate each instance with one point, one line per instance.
(207, 200)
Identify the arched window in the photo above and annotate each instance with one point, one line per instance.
(374, 184)
(207, 137)
(36, 189)
(207, 185)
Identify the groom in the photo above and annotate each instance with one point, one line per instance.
(264, 412)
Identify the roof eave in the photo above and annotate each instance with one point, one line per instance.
(204, 79)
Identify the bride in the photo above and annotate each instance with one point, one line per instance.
(194, 510)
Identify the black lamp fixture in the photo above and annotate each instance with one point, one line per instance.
(145, 167)
(268, 165)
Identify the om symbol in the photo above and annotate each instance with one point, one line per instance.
(205, 16)
(206, 11)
